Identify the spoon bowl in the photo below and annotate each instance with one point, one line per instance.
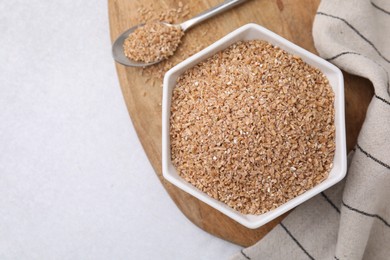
(117, 48)
(119, 54)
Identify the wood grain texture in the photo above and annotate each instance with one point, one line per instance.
(288, 18)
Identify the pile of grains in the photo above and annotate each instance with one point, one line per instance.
(190, 45)
(253, 126)
(152, 42)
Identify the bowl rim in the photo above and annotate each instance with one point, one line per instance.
(257, 220)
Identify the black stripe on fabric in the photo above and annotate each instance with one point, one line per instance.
(336, 258)
(372, 157)
(330, 202)
(359, 54)
(341, 54)
(366, 214)
(382, 99)
(380, 8)
(357, 32)
(295, 240)
(245, 255)
(355, 53)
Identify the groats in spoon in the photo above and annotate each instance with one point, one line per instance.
(152, 42)
(118, 50)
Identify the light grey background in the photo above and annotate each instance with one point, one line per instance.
(74, 180)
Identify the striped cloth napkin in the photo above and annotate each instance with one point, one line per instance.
(351, 220)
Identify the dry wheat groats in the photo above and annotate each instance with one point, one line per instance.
(253, 126)
(152, 42)
(175, 15)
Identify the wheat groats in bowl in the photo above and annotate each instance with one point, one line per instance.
(253, 125)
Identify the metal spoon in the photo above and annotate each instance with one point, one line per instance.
(117, 47)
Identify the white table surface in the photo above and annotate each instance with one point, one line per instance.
(74, 180)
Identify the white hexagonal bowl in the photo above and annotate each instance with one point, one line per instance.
(252, 32)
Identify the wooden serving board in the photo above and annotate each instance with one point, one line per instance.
(143, 93)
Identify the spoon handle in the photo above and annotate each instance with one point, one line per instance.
(210, 13)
